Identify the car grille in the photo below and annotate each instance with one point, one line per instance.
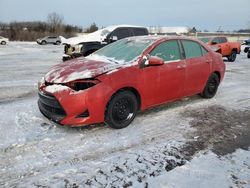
(50, 107)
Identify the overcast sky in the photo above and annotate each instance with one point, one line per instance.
(203, 14)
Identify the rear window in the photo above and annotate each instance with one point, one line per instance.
(192, 49)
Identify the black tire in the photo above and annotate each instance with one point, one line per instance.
(58, 42)
(246, 49)
(248, 54)
(211, 86)
(3, 43)
(43, 42)
(121, 109)
(232, 57)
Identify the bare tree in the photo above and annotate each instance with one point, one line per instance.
(93, 27)
(55, 21)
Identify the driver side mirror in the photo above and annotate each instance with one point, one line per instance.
(113, 38)
(154, 61)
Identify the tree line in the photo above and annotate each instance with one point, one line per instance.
(30, 31)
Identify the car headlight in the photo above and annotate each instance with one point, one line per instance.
(77, 48)
(82, 84)
(42, 81)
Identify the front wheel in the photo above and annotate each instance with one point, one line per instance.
(232, 57)
(3, 43)
(248, 54)
(211, 86)
(121, 109)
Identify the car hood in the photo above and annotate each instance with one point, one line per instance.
(92, 37)
(76, 69)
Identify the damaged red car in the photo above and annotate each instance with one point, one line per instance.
(132, 74)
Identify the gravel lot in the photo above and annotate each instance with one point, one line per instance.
(188, 143)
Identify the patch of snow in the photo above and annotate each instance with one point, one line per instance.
(208, 171)
(130, 116)
(105, 59)
(76, 76)
(55, 88)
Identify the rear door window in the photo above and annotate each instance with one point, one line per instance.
(139, 31)
(192, 49)
(168, 51)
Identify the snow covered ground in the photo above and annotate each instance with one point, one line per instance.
(189, 143)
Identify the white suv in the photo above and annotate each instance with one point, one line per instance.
(3, 40)
(49, 40)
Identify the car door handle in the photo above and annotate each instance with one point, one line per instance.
(181, 66)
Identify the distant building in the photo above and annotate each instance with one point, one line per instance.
(168, 30)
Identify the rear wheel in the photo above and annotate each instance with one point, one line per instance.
(211, 86)
(248, 54)
(3, 43)
(58, 42)
(121, 109)
(43, 42)
(232, 57)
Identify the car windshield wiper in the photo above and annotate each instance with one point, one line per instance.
(112, 60)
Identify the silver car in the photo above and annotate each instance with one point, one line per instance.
(49, 40)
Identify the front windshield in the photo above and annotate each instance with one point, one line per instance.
(205, 39)
(105, 32)
(125, 50)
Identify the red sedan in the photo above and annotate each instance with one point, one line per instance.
(132, 74)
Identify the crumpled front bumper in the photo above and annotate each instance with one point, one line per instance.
(73, 108)
(50, 107)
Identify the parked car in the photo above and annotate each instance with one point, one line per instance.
(3, 40)
(132, 74)
(247, 50)
(246, 42)
(226, 49)
(49, 40)
(87, 44)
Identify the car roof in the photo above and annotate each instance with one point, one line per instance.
(163, 37)
(113, 27)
